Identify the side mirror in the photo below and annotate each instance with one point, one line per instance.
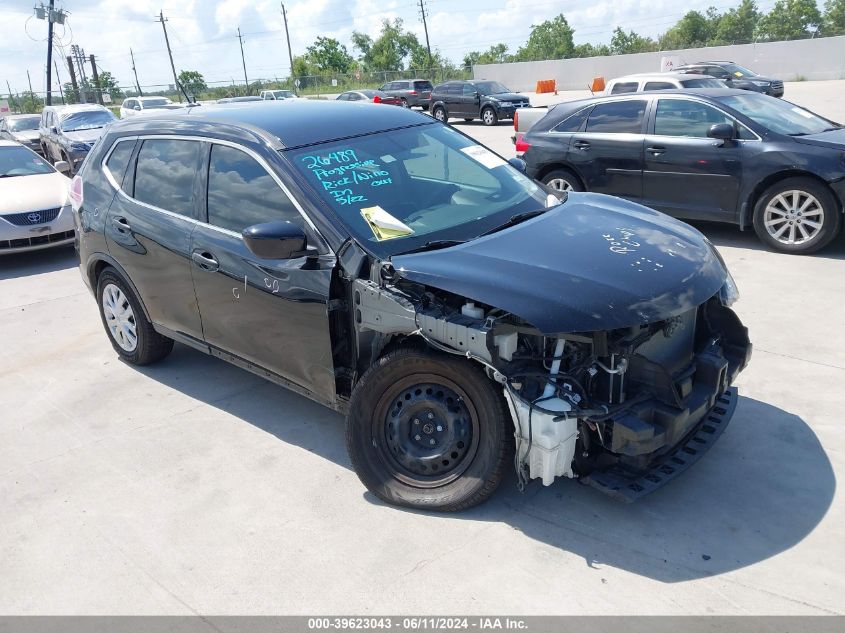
(62, 166)
(722, 131)
(275, 240)
(518, 163)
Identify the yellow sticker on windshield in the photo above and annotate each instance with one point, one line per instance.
(383, 225)
(738, 74)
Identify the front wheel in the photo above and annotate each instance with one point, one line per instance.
(429, 431)
(488, 116)
(440, 114)
(405, 103)
(797, 215)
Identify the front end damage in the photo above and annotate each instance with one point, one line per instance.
(625, 409)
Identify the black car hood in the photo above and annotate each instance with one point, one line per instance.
(510, 97)
(593, 263)
(834, 139)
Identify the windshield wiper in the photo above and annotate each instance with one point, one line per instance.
(433, 245)
(515, 219)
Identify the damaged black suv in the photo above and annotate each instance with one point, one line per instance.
(387, 266)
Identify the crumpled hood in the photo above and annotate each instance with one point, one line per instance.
(835, 139)
(85, 136)
(593, 263)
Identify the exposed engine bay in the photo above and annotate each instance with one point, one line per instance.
(612, 407)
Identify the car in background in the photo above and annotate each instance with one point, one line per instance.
(645, 82)
(239, 99)
(142, 105)
(489, 101)
(412, 92)
(735, 76)
(275, 95)
(465, 319)
(723, 155)
(373, 96)
(68, 132)
(35, 210)
(22, 128)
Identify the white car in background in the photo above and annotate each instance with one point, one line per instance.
(645, 82)
(35, 210)
(140, 105)
(277, 95)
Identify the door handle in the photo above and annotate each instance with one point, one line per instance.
(581, 145)
(205, 261)
(656, 150)
(121, 224)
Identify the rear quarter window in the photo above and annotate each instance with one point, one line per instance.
(118, 161)
(574, 122)
(659, 85)
(624, 87)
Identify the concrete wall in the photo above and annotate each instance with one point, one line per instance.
(822, 58)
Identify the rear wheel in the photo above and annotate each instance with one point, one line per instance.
(439, 113)
(130, 333)
(405, 103)
(797, 215)
(562, 180)
(428, 431)
(488, 116)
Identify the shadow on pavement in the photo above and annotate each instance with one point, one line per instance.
(763, 487)
(48, 260)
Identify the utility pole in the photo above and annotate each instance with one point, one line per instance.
(137, 83)
(59, 81)
(243, 61)
(96, 81)
(72, 76)
(30, 83)
(162, 19)
(15, 104)
(287, 37)
(425, 28)
(79, 58)
(49, 54)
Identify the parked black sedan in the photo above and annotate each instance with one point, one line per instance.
(391, 268)
(723, 155)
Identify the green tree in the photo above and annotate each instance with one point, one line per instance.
(738, 25)
(193, 82)
(29, 102)
(622, 43)
(551, 39)
(591, 50)
(496, 54)
(691, 30)
(789, 20)
(108, 85)
(329, 55)
(390, 50)
(303, 70)
(833, 22)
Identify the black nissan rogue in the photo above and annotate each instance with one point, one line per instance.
(387, 266)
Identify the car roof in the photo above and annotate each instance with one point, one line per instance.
(291, 122)
(22, 116)
(76, 107)
(148, 98)
(666, 75)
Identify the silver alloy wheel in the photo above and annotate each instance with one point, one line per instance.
(561, 184)
(439, 114)
(793, 217)
(120, 319)
(489, 117)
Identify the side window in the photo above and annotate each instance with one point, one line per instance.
(469, 90)
(343, 97)
(241, 192)
(681, 117)
(573, 123)
(118, 161)
(717, 72)
(402, 85)
(454, 89)
(624, 87)
(620, 117)
(164, 174)
(659, 85)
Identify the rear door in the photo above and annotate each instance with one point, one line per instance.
(149, 225)
(468, 102)
(268, 313)
(686, 173)
(609, 152)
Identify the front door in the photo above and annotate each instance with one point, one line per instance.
(270, 313)
(149, 225)
(609, 152)
(468, 102)
(687, 174)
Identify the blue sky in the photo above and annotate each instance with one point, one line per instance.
(203, 32)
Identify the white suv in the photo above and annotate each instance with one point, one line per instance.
(139, 105)
(275, 95)
(660, 81)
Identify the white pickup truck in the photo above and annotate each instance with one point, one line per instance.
(523, 119)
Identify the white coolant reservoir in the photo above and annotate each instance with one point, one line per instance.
(471, 310)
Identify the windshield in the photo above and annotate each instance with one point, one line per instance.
(738, 71)
(778, 115)
(705, 82)
(86, 120)
(19, 161)
(395, 191)
(490, 87)
(155, 103)
(282, 94)
(24, 124)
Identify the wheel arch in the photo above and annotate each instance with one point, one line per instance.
(101, 261)
(547, 169)
(746, 218)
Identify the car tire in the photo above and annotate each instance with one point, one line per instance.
(439, 113)
(489, 117)
(405, 103)
(797, 215)
(562, 180)
(428, 430)
(124, 320)
(64, 157)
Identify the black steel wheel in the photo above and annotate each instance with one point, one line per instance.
(428, 431)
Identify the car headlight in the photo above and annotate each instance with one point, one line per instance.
(79, 147)
(728, 293)
(761, 84)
